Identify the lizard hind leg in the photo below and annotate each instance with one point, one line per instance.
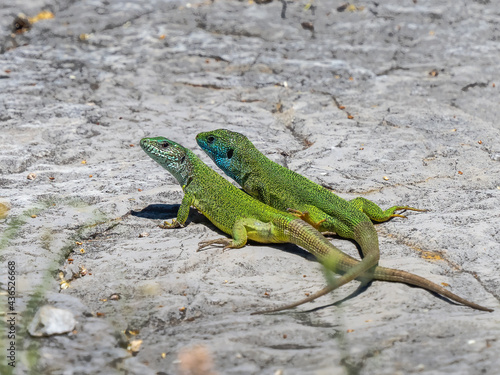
(239, 232)
(375, 213)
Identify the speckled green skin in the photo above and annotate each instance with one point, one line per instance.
(230, 209)
(285, 190)
(243, 217)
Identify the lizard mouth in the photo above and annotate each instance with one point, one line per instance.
(145, 143)
(148, 146)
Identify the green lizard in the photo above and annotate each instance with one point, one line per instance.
(286, 190)
(243, 217)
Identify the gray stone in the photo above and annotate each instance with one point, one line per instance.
(50, 321)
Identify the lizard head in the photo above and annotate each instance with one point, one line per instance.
(170, 155)
(226, 149)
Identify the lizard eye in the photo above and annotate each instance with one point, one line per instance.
(230, 153)
(210, 139)
(163, 144)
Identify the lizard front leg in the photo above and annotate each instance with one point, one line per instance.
(328, 226)
(182, 214)
(306, 216)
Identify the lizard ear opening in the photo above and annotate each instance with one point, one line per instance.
(183, 159)
(230, 153)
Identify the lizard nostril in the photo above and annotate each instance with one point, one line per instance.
(210, 139)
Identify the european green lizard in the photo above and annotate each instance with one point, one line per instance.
(243, 217)
(286, 190)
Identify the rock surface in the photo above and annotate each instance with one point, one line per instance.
(394, 101)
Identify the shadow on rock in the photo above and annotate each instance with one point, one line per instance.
(158, 211)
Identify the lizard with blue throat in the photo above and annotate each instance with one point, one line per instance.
(287, 190)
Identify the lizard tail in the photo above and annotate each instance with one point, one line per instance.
(307, 237)
(389, 274)
(366, 236)
(334, 259)
(384, 274)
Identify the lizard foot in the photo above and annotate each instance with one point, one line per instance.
(173, 224)
(400, 208)
(227, 242)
